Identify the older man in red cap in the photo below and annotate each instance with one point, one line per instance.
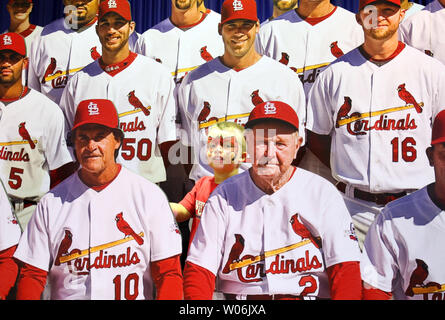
(369, 115)
(105, 232)
(228, 87)
(275, 231)
(403, 253)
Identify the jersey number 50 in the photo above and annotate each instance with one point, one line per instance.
(141, 148)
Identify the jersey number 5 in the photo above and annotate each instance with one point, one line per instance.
(409, 153)
(15, 180)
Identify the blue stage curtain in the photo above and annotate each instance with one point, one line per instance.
(147, 13)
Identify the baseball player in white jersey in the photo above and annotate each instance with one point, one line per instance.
(184, 41)
(9, 238)
(423, 30)
(229, 87)
(141, 89)
(19, 12)
(274, 231)
(307, 40)
(32, 143)
(105, 232)
(369, 115)
(64, 47)
(403, 252)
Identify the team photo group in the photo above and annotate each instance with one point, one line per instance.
(215, 156)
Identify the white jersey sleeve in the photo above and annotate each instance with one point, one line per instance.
(9, 228)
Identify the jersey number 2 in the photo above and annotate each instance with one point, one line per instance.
(409, 153)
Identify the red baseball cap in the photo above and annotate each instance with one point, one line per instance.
(121, 7)
(364, 3)
(97, 111)
(273, 110)
(438, 135)
(13, 41)
(238, 9)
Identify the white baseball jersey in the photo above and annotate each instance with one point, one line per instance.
(423, 30)
(379, 118)
(58, 54)
(403, 250)
(281, 243)
(32, 143)
(99, 245)
(307, 49)
(9, 228)
(32, 33)
(143, 96)
(214, 93)
(183, 50)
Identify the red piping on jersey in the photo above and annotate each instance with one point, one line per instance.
(399, 49)
(314, 21)
(28, 31)
(114, 69)
(25, 91)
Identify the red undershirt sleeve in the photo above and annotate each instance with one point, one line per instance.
(167, 277)
(8, 271)
(199, 283)
(376, 294)
(31, 283)
(345, 281)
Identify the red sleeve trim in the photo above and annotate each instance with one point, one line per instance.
(167, 277)
(199, 283)
(8, 271)
(31, 283)
(345, 281)
(376, 294)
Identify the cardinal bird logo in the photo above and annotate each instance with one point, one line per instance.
(25, 135)
(205, 54)
(418, 276)
(344, 111)
(408, 98)
(256, 99)
(94, 54)
(137, 104)
(204, 112)
(335, 50)
(235, 252)
(65, 244)
(125, 228)
(284, 58)
(50, 69)
(303, 232)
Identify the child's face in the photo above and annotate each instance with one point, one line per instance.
(222, 152)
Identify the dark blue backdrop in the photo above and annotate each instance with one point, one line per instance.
(146, 13)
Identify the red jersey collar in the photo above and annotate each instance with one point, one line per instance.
(399, 49)
(114, 69)
(314, 21)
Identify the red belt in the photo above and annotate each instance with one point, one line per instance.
(26, 203)
(378, 198)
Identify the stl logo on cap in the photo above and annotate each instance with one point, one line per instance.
(7, 41)
(93, 109)
(112, 4)
(237, 5)
(269, 108)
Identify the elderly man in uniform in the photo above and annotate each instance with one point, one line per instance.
(274, 231)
